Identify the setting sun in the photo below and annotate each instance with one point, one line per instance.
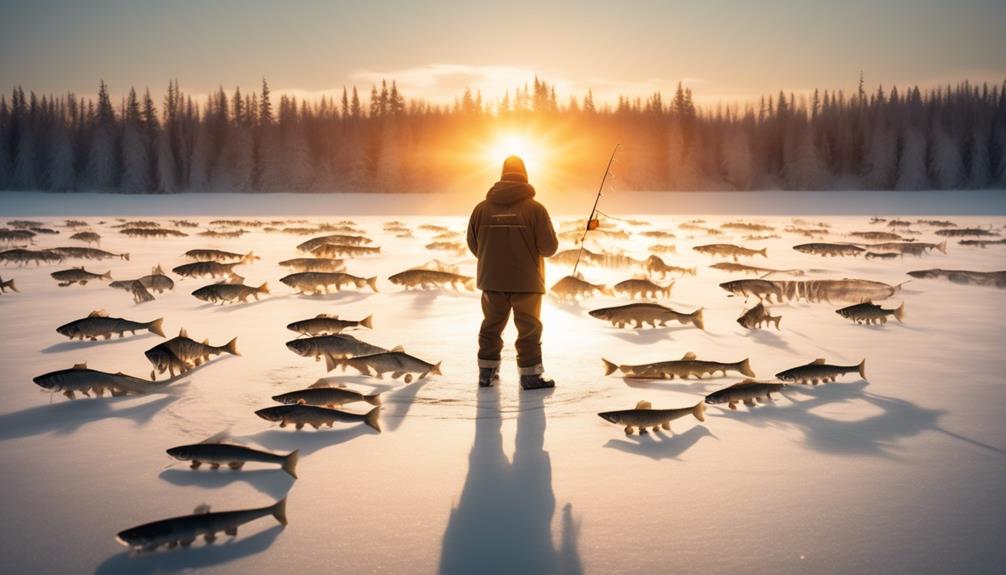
(514, 144)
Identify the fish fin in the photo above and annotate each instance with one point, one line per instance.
(372, 282)
(217, 437)
(745, 368)
(330, 362)
(690, 356)
(264, 288)
(280, 509)
(156, 327)
(98, 313)
(435, 370)
(899, 314)
(697, 319)
(699, 411)
(183, 333)
(80, 365)
(644, 405)
(862, 368)
(290, 465)
(368, 322)
(201, 508)
(818, 361)
(320, 383)
(371, 419)
(232, 347)
(205, 342)
(327, 316)
(609, 368)
(398, 348)
(374, 399)
(666, 425)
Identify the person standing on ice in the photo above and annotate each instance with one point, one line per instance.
(511, 234)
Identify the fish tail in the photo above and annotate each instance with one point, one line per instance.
(697, 319)
(290, 466)
(763, 252)
(942, 246)
(862, 369)
(232, 347)
(435, 370)
(371, 419)
(250, 257)
(156, 326)
(279, 509)
(264, 288)
(899, 314)
(11, 285)
(374, 399)
(368, 322)
(699, 411)
(609, 368)
(125, 256)
(107, 275)
(745, 367)
(372, 282)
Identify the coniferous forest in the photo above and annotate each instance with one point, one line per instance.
(950, 137)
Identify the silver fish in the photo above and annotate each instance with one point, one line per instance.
(644, 416)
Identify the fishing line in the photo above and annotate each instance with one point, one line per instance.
(592, 223)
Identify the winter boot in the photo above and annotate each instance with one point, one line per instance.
(536, 381)
(488, 376)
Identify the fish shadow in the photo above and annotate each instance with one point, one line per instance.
(199, 557)
(877, 435)
(66, 417)
(768, 338)
(672, 384)
(658, 445)
(646, 336)
(345, 297)
(273, 482)
(399, 403)
(240, 306)
(75, 345)
(308, 440)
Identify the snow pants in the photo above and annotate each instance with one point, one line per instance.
(526, 308)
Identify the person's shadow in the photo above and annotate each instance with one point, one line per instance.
(502, 522)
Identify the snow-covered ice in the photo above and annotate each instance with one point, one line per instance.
(900, 474)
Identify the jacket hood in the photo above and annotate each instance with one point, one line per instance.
(506, 192)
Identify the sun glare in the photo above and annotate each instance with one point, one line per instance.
(514, 144)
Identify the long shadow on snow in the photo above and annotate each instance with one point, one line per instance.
(645, 336)
(307, 440)
(398, 403)
(77, 345)
(659, 445)
(502, 522)
(198, 557)
(67, 416)
(874, 435)
(273, 482)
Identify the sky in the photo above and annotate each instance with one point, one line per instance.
(723, 51)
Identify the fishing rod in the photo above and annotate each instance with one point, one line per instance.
(592, 224)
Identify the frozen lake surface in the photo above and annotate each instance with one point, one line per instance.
(901, 473)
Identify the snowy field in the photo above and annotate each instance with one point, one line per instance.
(899, 474)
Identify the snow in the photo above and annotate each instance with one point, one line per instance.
(899, 474)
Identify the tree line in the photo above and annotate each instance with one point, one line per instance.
(948, 137)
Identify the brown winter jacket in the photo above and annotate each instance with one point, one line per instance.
(511, 234)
